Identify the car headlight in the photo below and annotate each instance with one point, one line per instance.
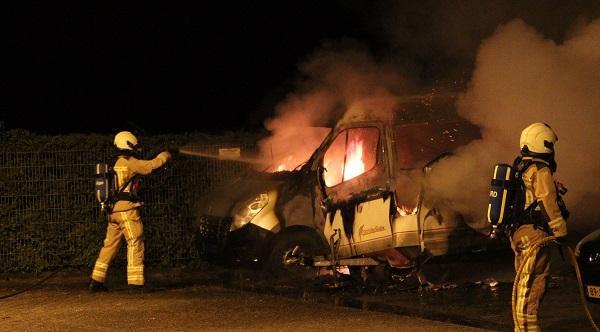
(249, 210)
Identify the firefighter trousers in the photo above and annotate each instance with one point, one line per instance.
(126, 224)
(532, 282)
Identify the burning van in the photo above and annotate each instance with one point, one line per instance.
(359, 199)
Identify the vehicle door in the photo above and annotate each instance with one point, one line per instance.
(419, 146)
(354, 179)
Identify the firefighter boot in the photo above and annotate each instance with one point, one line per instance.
(96, 286)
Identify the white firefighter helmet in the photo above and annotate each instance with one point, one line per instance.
(538, 138)
(125, 140)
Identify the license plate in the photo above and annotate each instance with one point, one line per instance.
(594, 291)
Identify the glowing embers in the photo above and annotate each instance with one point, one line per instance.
(406, 210)
(352, 153)
(286, 164)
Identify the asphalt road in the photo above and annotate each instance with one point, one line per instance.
(211, 298)
(192, 308)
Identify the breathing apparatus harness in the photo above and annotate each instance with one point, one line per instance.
(108, 191)
(506, 209)
(522, 215)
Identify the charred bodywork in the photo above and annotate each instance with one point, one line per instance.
(362, 189)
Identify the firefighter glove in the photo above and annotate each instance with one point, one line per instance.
(165, 156)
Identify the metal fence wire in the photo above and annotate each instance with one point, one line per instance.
(49, 216)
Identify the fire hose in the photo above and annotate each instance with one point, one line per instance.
(573, 262)
(70, 260)
(31, 286)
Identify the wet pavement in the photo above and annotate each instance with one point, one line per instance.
(472, 291)
(192, 308)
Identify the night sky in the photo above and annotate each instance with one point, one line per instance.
(98, 67)
(92, 68)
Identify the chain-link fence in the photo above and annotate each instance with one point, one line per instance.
(49, 216)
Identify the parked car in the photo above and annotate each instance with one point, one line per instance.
(588, 259)
(359, 197)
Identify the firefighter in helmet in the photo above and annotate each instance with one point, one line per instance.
(544, 215)
(124, 219)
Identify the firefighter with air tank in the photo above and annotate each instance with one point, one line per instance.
(536, 212)
(124, 219)
(543, 217)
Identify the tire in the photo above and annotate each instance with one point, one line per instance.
(309, 245)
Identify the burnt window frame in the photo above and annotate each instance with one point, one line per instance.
(377, 154)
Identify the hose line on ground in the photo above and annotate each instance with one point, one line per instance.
(573, 262)
(31, 286)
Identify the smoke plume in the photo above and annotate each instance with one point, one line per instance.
(541, 68)
(334, 79)
(520, 78)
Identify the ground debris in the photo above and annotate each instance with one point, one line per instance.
(485, 283)
(491, 282)
(429, 286)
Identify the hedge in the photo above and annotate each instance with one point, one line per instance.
(48, 214)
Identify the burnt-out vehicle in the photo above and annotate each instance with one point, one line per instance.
(358, 200)
(588, 259)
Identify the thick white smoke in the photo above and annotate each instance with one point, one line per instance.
(520, 78)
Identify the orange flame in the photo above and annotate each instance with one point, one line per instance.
(285, 165)
(406, 210)
(354, 163)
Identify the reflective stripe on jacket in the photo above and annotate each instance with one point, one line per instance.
(126, 168)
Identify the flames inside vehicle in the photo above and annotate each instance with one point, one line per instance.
(357, 197)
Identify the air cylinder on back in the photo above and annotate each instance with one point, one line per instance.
(501, 194)
(102, 182)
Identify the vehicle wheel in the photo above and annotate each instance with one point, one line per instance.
(308, 245)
